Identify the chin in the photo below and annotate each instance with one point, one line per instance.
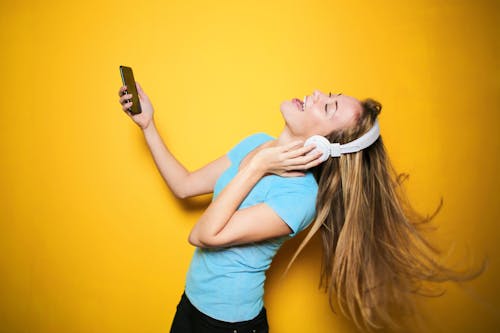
(288, 114)
(283, 106)
(285, 110)
(288, 106)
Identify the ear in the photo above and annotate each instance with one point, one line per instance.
(322, 144)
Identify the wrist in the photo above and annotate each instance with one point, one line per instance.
(256, 169)
(151, 127)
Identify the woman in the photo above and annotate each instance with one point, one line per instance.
(266, 190)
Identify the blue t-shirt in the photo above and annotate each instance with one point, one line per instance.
(228, 283)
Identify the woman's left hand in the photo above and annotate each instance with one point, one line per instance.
(288, 160)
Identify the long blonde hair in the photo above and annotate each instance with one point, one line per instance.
(375, 256)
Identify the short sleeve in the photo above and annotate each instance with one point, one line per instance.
(294, 203)
(243, 147)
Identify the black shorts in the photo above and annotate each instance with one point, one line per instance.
(188, 319)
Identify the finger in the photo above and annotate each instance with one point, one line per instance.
(292, 145)
(311, 145)
(127, 106)
(293, 174)
(313, 163)
(302, 162)
(313, 155)
(121, 91)
(124, 98)
(141, 92)
(299, 151)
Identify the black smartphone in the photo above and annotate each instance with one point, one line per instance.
(128, 80)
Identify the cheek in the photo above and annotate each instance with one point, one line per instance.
(309, 126)
(316, 122)
(335, 123)
(345, 121)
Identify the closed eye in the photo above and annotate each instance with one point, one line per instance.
(336, 104)
(336, 107)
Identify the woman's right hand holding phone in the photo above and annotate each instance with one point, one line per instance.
(143, 119)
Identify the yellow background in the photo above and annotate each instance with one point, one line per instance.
(91, 239)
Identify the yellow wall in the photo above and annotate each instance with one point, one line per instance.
(91, 240)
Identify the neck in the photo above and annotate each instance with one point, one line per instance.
(286, 137)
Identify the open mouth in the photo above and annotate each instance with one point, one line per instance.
(300, 104)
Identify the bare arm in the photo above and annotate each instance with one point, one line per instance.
(182, 182)
(222, 224)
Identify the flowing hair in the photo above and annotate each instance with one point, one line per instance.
(375, 256)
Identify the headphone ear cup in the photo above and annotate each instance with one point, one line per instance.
(322, 144)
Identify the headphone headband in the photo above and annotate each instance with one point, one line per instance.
(336, 149)
(364, 141)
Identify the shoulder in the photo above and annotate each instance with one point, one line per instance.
(247, 144)
(255, 138)
(294, 200)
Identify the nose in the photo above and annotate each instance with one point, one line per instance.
(316, 95)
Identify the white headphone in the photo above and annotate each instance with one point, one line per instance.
(336, 149)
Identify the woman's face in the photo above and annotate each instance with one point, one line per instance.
(320, 113)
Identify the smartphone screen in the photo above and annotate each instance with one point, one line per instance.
(128, 80)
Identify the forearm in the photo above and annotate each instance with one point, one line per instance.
(172, 171)
(219, 212)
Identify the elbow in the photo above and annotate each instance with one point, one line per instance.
(181, 195)
(182, 192)
(203, 242)
(181, 189)
(194, 241)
